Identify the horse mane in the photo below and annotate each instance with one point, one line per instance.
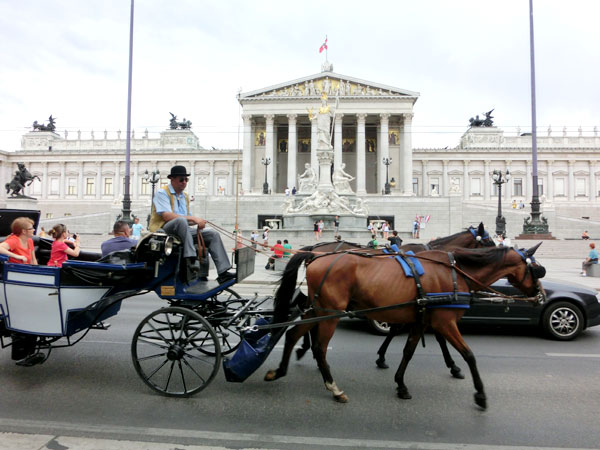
(480, 257)
(444, 240)
(309, 248)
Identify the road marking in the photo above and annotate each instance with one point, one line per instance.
(63, 429)
(575, 355)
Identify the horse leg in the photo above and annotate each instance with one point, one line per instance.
(305, 347)
(291, 337)
(454, 369)
(453, 336)
(409, 350)
(395, 330)
(325, 332)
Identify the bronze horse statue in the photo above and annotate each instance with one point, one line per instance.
(20, 181)
(376, 285)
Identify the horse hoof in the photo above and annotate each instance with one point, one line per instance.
(271, 375)
(381, 364)
(456, 373)
(342, 398)
(481, 400)
(404, 394)
(300, 353)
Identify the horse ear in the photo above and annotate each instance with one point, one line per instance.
(533, 249)
(480, 229)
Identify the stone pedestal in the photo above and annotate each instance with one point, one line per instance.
(22, 203)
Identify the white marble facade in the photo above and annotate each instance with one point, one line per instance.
(371, 121)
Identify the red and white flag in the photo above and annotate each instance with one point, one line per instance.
(324, 46)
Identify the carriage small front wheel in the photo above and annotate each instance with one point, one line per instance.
(176, 351)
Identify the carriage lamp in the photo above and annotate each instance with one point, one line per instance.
(161, 243)
(499, 179)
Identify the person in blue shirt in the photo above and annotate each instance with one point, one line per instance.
(171, 212)
(591, 259)
(121, 241)
(136, 229)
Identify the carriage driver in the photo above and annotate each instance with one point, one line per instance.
(170, 211)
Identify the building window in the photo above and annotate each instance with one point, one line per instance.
(476, 186)
(434, 186)
(559, 187)
(580, 190)
(49, 215)
(518, 187)
(145, 188)
(415, 186)
(36, 187)
(90, 186)
(71, 186)
(494, 190)
(108, 186)
(54, 183)
(540, 187)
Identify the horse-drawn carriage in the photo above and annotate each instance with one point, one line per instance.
(176, 350)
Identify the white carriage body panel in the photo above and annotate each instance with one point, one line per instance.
(3, 309)
(31, 278)
(77, 298)
(34, 309)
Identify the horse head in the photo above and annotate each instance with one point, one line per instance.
(482, 236)
(528, 272)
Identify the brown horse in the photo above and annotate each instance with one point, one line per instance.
(471, 238)
(355, 282)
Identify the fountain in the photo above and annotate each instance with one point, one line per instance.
(318, 197)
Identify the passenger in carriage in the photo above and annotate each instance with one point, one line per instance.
(171, 212)
(19, 245)
(120, 241)
(60, 250)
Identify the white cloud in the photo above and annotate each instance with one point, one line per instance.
(70, 59)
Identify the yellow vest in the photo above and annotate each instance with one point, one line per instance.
(156, 220)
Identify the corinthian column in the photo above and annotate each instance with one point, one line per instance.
(360, 155)
(292, 151)
(247, 154)
(337, 148)
(314, 162)
(571, 181)
(407, 162)
(384, 148)
(269, 151)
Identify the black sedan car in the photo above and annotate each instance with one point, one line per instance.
(568, 311)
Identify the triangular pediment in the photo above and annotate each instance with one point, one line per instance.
(333, 84)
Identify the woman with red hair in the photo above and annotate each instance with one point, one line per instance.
(19, 245)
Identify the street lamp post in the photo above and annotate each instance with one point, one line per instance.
(152, 178)
(266, 162)
(387, 162)
(499, 179)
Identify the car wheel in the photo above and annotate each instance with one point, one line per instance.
(563, 321)
(377, 327)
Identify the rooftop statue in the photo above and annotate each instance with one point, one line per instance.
(487, 122)
(20, 181)
(174, 125)
(41, 127)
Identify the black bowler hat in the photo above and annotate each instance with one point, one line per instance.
(178, 171)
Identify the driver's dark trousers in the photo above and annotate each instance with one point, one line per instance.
(212, 239)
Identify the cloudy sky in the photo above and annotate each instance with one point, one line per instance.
(69, 58)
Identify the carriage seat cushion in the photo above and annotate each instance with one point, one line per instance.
(404, 264)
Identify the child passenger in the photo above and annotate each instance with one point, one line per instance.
(61, 251)
(19, 245)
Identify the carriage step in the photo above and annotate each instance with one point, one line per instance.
(100, 326)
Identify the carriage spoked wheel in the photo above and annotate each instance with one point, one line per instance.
(176, 351)
(227, 304)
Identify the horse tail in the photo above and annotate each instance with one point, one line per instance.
(287, 286)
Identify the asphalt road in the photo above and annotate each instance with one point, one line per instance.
(541, 393)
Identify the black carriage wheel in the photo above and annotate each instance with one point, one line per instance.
(563, 321)
(176, 351)
(228, 333)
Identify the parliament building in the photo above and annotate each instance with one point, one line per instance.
(82, 174)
